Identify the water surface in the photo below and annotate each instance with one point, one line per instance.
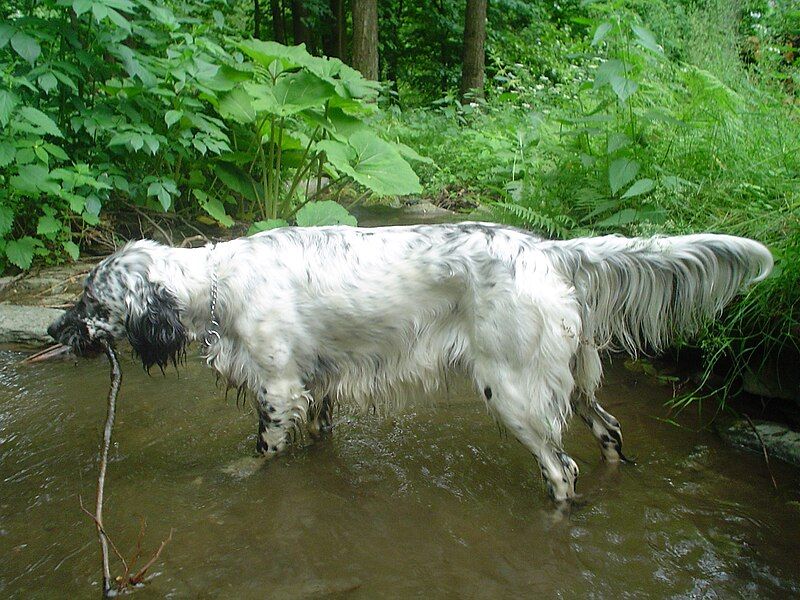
(434, 502)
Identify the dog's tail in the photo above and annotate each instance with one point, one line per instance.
(639, 293)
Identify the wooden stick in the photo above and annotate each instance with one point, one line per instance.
(139, 577)
(764, 450)
(47, 353)
(116, 380)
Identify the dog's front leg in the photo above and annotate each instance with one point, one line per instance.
(280, 408)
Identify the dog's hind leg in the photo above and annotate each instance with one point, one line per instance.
(605, 427)
(321, 418)
(281, 407)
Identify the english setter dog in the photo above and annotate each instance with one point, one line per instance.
(305, 317)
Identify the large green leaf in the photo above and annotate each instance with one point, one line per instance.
(26, 46)
(217, 211)
(8, 101)
(20, 252)
(172, 116)
(213, 207)
(72, 249)
(40, 120)
(237, 180)
(6, 220)
(374, 163)
(164, 190)
(617, 141)
(326, 212)
(601, 32)
(223, 79)
(34, 179)
(48, 225)
(646, 39)
(606, 71)
(6, 31)
(82, 6)
(7, 152)
(265, 53)
(338, 123)
(623, 217)
(260, 226)
(621, 172)
(640, 187)
(292, 94)
(623, 87)
(237, 105)
(349, 83)
(297, 91)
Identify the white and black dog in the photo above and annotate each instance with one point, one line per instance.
(304, 317)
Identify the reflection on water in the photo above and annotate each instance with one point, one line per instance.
(433, 502)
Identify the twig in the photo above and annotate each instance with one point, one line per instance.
(137, 551)
(193, 228)
(116, 380)
(764, 449)
(137, 579)
(101, 528)
(47, 353)
(14, 280)
(127, 580)
(71, 279)
(152, 222)
(194, 238)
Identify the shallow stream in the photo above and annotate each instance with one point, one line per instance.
(434, 502)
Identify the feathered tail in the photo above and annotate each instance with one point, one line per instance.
(639, 293)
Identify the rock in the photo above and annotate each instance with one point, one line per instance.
(775, 378)
(780, 441)
(26, 324)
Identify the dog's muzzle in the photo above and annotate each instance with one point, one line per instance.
(69, 329)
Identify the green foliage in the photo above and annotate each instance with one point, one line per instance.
(115, 102)
(649, 121)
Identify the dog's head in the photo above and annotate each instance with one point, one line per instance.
(120, 300)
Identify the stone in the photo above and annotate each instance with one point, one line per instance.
(774, 380)
(781, 441)
(26, 324)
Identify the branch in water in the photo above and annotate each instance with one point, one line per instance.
(127, 580)
(116, 380)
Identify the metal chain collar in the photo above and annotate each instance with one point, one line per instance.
(212, 332)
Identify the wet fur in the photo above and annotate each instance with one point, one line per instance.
(361, 315)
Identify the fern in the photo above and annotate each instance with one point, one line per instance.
(707, 91)
(555, 226)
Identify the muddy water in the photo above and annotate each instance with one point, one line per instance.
(434, 502)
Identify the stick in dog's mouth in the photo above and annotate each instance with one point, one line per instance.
(48, 353)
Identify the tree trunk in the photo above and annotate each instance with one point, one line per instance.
(365, 37)
(278, 25)
(333, 39)
(256, 19)
(299, 31)
(391, 17)
(474, 47)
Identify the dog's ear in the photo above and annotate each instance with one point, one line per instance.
(154, 328)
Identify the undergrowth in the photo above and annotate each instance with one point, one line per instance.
(667, 123)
